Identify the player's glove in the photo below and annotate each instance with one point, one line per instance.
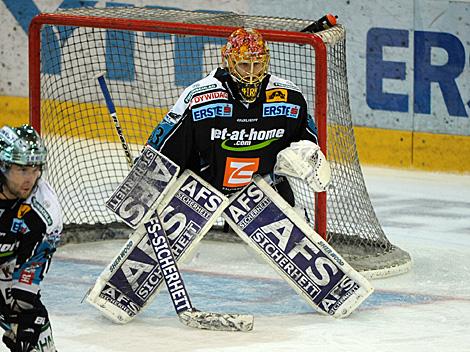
(26, 327)
(305, 161)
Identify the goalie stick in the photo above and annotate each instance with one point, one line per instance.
(112, 113)
(186, 312)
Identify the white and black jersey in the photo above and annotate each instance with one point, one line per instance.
(29, 232)
(212, 132)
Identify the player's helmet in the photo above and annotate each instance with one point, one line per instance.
(21, 146)
(246, 57)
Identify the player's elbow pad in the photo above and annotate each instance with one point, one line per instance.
(304, 160)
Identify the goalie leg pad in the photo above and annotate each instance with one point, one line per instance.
(132, 279)
(311, 266)
(136, 198)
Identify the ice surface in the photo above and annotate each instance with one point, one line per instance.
(428, 309)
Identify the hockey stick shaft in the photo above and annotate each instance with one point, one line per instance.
(113, 114)
(187, 314)
(167, 263)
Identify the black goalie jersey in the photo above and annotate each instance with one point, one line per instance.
(210, 131)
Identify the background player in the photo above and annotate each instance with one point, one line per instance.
(30, 227)
(233, 123)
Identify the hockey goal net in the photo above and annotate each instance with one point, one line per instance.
(149, 56)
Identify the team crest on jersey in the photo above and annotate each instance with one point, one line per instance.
(239, 171)
(276, 95)
(23, 210)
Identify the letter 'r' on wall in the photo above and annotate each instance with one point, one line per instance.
(377, 69)
(445, 75)
(425, 71)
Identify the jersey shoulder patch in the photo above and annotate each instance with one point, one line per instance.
(280, 83)
(44, 202)
(206, 84)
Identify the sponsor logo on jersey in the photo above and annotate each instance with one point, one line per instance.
(27, 275)
(247, 120)
(23, 210)
(196, 90)
(250, 92)
(286, 85)
(18, 226)
(281, 109)
(7, 249)
(211, 111)
(41, 210)
(239, 171)
(171, 118)
(244, 140)
(204, 98)
(276, 95)
(26, 278)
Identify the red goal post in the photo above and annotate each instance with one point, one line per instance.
(69, 46)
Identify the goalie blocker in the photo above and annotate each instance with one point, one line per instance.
(310, 265)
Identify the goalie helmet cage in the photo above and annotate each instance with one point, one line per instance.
(150, 55)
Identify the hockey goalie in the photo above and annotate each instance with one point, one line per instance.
(248, 135)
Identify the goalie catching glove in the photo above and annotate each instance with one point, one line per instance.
(304, 160)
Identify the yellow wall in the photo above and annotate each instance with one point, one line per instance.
(418, 150)
(14, 110)
(392, 148)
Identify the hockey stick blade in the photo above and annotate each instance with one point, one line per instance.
(187, 314)
(217, 321)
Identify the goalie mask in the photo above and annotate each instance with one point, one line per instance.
(246, 57)
(21, 146)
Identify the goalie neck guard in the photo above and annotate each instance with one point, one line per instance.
(246, 57)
